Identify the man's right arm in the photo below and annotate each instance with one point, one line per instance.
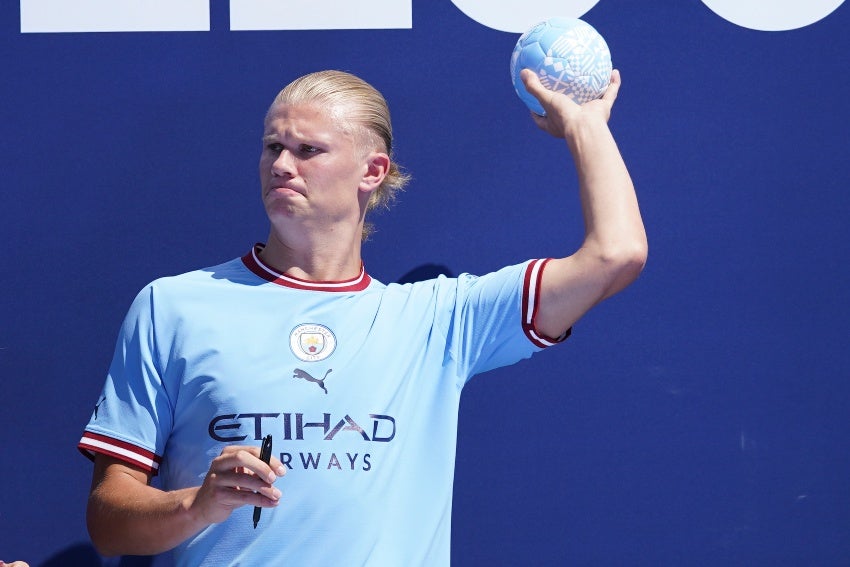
(127, 516)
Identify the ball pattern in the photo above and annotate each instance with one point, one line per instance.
(568, 55)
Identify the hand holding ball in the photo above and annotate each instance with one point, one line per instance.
(568, 56)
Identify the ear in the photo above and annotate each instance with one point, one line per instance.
(377, 168)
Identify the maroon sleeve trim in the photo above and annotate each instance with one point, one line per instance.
(530, 304)
(93, 443)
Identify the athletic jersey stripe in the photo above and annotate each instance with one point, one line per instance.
(92, 443)
(530, 303)
(253, 262)
(535, 271)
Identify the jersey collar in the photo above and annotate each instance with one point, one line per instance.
(253, 262)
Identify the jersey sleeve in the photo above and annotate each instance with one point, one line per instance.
(494, 322)
(133, 415)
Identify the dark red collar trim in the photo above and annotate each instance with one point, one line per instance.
(253, 262)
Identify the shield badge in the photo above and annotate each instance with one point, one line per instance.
(312, 342)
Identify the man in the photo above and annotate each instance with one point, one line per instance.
(357, 382)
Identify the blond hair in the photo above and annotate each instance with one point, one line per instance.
(353, 103)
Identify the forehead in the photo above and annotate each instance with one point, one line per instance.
(306, 118)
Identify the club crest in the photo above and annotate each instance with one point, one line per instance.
(312, 342)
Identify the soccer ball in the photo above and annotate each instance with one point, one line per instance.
(568, 55)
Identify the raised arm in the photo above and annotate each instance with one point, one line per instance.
(127, 516)
(614, 250)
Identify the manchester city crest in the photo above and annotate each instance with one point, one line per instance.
(311, 342)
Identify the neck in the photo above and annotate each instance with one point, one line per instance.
(329, 259)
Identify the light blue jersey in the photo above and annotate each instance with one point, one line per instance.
(358, 383)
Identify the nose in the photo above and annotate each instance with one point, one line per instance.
(283, 164)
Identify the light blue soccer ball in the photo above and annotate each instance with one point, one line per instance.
(568, 55)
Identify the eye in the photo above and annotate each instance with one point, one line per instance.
(308, 149)
(274, 147)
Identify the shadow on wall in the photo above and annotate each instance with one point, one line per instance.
(84, 555)
(425, 272)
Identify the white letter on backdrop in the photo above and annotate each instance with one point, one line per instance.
(333, 14)
(58, 16)
(519, 15)
(773, 15)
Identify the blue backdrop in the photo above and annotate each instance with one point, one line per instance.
(699, 418)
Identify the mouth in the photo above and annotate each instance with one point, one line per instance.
(284, 190)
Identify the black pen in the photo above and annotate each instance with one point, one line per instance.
(265, 456)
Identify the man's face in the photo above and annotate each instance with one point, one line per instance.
(311, 169)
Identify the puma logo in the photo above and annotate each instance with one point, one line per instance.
(306, 376)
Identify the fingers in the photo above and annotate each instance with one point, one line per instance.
(225, 495)
(248, 457)
(236, 478)
(545, 96)
(240, 467)
(613, 87)
(245, 483)
(532, 82)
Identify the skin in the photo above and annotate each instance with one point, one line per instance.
(316, 176)
(615, 247)
(127, 516)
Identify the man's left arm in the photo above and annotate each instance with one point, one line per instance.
(614, 249)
